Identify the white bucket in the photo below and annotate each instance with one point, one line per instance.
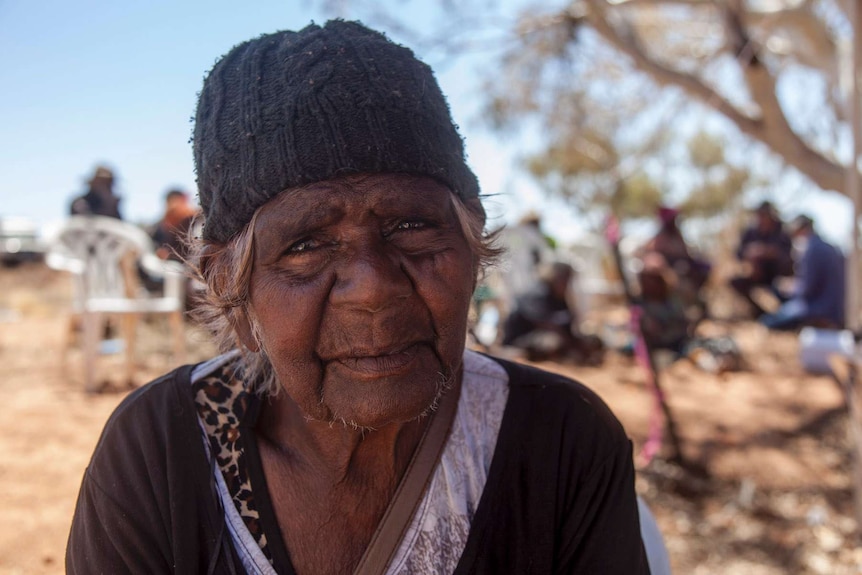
(816, 345)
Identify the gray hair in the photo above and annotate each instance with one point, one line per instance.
(226, 269)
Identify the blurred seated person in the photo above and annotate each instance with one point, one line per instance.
(171, 237)
(664, 323)
(818, 295)
(527, 250)
(543, 323)
(765, 248)
(691, 272)
(171, 233)
(100, 199)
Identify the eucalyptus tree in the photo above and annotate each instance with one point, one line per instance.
(605, 81)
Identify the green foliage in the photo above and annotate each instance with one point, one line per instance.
(706, 151)
(717, 195)
(589, 153)
(636, 197)
(600, 123)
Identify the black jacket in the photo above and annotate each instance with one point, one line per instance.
(559, 496)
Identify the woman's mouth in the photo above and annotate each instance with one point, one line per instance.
(380, 362)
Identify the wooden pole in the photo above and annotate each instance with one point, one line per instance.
(853, 61)
(854, 404)
(852, 385)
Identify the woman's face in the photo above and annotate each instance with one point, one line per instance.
(359, 292)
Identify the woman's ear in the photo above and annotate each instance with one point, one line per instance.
(242, 325)
(211, 265)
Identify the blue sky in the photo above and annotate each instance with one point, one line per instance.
(94, 81)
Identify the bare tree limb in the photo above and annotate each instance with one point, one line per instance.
(775, 131)
(806, 38)
(651, 3)
(770, 128)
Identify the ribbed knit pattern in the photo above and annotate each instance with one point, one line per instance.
(292, 108)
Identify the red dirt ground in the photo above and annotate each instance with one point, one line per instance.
(773, 440)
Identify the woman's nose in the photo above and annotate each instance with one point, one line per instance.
(371, 279)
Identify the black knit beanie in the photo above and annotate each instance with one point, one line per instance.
(292, 108)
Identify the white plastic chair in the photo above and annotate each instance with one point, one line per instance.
(656, 551)
(103, 255)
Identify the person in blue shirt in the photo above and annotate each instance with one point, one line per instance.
(818, 294)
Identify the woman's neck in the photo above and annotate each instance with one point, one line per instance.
(335, 452)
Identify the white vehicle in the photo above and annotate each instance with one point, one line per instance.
(20, 241)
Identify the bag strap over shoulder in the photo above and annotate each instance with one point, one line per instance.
(387, 537)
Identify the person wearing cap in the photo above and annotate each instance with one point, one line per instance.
(342, 241)
(819, 283)
(765, 249)
(100, 199)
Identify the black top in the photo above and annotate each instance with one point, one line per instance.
(537, 309)
(95, 204)
(770, 268)
(559, 496)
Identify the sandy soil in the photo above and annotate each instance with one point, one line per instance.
(772, 441)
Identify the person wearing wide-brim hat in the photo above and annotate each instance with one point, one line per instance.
(99, 200)
(345, 428)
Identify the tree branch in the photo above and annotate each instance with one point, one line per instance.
(629, 46)
(652, 3)
(771, 128)
(819, 50)
(775, 131)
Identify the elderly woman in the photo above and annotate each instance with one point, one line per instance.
(346, 428)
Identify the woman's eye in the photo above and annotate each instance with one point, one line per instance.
(302, 246)
(411, 225)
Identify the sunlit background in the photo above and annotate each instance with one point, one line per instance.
(115, 83)
(560, 118)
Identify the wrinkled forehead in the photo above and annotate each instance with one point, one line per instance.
(360, 195)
